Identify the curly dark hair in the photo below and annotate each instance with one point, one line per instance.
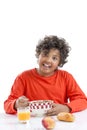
(54, 42)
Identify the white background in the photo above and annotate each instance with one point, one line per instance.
(24, 22)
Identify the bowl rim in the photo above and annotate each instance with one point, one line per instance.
(41, 101)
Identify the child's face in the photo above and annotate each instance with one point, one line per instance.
(48, 62)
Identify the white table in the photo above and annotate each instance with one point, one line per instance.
(10, 122)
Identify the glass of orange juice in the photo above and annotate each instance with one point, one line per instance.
(23, 114)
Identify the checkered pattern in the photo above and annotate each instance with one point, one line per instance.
(40, 105)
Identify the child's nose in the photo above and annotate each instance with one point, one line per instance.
(49, 59)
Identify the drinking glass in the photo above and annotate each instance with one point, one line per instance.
(23, 114)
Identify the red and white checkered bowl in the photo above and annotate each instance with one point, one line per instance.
(40, 107)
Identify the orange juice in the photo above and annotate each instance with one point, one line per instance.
(23, 115)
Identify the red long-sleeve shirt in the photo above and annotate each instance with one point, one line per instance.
(60, 87)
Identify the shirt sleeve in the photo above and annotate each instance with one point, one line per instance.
(17, 90)
(77, 98)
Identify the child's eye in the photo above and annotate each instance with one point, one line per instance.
(55, 58)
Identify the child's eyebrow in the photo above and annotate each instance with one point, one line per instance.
(56, 56)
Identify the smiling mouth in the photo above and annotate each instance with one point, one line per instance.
(47, 66)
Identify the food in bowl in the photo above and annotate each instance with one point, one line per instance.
(40, 107)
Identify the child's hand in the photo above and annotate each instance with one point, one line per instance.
(57, 108)
(21, 102)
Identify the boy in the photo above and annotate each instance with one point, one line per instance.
(48, 81)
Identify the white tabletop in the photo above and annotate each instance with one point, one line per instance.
(10, 122)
